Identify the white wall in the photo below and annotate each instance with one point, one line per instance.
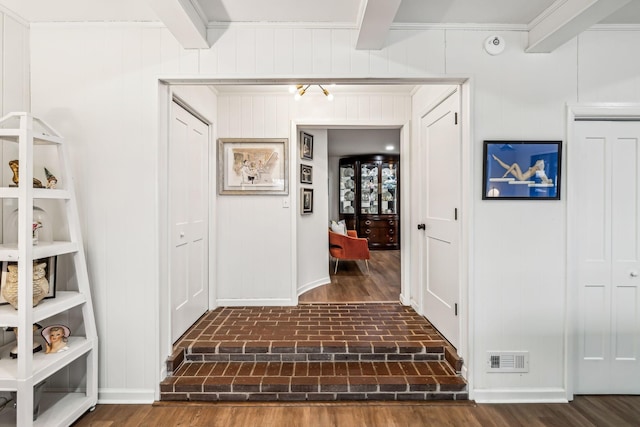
(97, 84)
(312, 236)
(267, 279)
(14, 96)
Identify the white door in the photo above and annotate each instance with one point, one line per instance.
(440, 141)
(605, 187)
(188, 192)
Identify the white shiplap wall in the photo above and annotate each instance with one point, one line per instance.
(259, 225)
(14, 93)
(311, 229)
(97, 83)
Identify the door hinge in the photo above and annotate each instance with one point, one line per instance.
(455, 308)
(455, 118)
(455, 214)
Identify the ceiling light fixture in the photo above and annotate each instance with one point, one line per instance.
(300, 90)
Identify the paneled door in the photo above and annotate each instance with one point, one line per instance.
(604, 180)
(441, 147)
(188, 192)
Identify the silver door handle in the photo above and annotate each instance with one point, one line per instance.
(633, 274)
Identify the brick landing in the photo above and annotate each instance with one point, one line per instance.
(319, 352)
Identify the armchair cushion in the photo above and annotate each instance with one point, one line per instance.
(339, 227)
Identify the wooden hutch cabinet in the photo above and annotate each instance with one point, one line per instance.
(370, 198)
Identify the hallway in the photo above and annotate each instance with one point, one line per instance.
(352, 283)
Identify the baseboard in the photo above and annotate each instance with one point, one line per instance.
(404, 301)
(313, 285)
(465, 372)
(124, 396)
(266, 302)
(519, 395)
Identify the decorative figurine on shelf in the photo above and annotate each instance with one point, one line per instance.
(14, 165)
(40, 284)
(15, 168)
(36, 345)
(52, 181)
(37, 225)
(57, 338)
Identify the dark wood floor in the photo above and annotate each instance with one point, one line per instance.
(584, 411)
(352, 283)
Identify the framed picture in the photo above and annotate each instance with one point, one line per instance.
(306, 146)
(253, 166)
(50, 274)
(522, 170)
(306, 204)
(306, 174)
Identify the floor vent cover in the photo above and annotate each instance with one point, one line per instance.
(508, 361)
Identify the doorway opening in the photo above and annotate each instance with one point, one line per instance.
(409, 271)
(363, 197)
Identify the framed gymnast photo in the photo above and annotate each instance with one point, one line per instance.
(521, 170)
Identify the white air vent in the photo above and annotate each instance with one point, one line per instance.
(508, 361)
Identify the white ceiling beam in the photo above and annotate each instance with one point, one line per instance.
(184, 21)
(565, 20)
(375, 20)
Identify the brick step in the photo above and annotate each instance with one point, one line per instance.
(313, 381)
(287, 351)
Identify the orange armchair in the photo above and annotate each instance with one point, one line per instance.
(349, 247)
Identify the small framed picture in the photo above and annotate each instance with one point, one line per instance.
(306, 205)
(306, 174)
(50, 274)
(306, 146)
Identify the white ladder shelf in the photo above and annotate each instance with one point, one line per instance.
(22, 374)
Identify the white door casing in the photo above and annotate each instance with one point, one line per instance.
(188, 201)
(440, 139)
(604, 194)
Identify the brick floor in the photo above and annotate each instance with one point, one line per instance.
(369, 351)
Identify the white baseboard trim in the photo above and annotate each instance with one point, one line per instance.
(313, 285)
(266, 302)
(404, 301)
(125, 396)
(519, 395)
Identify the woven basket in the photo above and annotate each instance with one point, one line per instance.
(40, 284)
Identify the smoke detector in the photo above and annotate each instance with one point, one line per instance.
(494, 45)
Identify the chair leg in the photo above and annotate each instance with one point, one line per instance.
(335, 271)
(366, 261)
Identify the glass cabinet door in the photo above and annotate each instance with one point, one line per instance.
(369, 188)
(389, 196)
(347, 189)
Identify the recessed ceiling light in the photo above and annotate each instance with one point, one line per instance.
(389, 147)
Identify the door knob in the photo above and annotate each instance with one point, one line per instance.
(422, 227)
(633, 274)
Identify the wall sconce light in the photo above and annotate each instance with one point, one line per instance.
(300, 90)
